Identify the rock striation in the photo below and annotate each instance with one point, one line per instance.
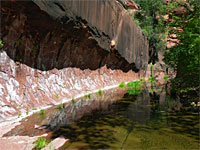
(108, 20)
(56, 50)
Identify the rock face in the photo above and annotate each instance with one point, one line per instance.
(108, 21)
(48, 58)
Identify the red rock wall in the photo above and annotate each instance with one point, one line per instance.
(45, 62)
(109, 20)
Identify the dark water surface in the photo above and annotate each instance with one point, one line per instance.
(150, 120)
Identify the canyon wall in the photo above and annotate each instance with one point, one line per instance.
(108, 21)
(54, 52)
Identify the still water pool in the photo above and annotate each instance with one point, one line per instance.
(150, 120)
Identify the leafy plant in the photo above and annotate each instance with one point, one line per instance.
(40, 143)
(151, 21)
(20, 40)
(57, 95)
(166, 77)
(61, 106)
(27, 111)
(73, 101)
(100, 92)
(184, 57)
(19, 114)
(89, 96)
(42, 111)
(122, 85)
(142, 79)
(34, 109)
(152, 78)
(134, 88)
(1, 44)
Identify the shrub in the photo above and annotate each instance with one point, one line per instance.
(57, 95)
(1, 44)
(134, 88)
(100, 92)
(61, 106)
(122, 85)
(42, 112)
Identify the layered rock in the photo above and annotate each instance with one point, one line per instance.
(108, 21)
(46, 61)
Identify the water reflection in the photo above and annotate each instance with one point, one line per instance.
(145, 121)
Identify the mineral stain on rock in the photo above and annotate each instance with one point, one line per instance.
(50, 55)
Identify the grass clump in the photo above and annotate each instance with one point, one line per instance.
(40, 143)
(100, 92)
(57, 95)
(122, 85)
(89, 96)
(134, 88)
(61, 106)
(1, 44)
(42, 111)
(19, 114)
(73, 101)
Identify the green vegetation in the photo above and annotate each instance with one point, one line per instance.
(142, 80)
(89, 96)
(134, 88)
(19, 114)
(184, 57)
(40, 143)
(57, 95)
(20, 40)
(100, 92)
(150, 19)
(73, 101)
(166, 77)
(122, 85)
(61, 107)
(34, 109)
(27, 111)
(151, 78)
(42, 111)
(1, 44)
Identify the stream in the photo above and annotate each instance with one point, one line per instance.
(114, 119)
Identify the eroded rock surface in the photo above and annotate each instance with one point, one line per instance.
(47, 59)
(108, 20)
